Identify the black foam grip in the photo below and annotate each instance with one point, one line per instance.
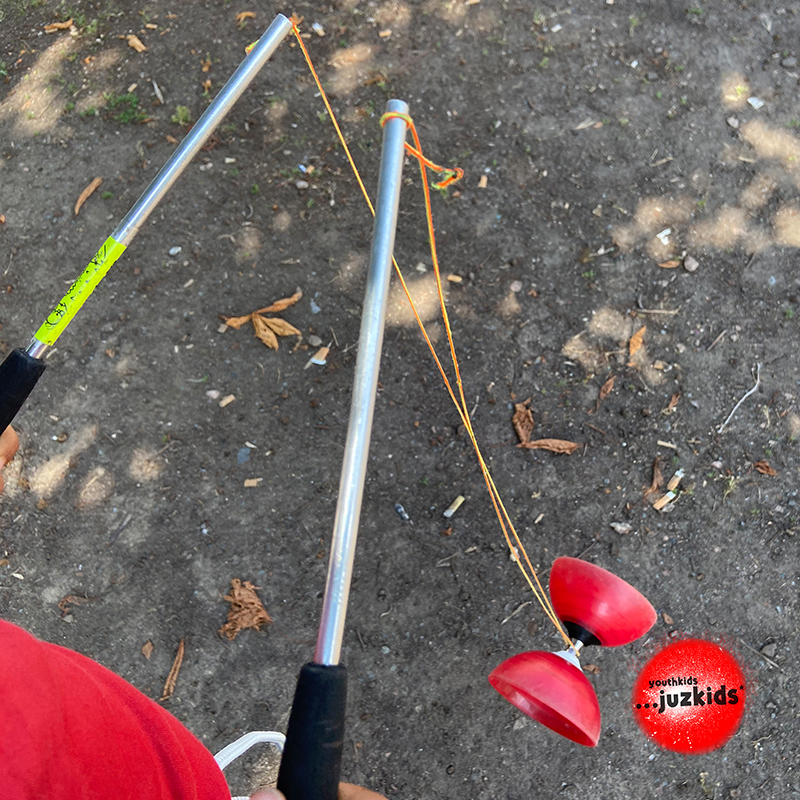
(312, 756)
(18, 375)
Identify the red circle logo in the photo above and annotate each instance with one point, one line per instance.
(690, 696)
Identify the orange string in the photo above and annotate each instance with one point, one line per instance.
(450, 176)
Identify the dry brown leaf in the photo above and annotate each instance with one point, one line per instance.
(657, 482)
(246, 609)
(264, 332)
(553, 445)
(637, 340)
(671, 264)
(673, 401)
(281, 305)
(667, 618)
(172, 678)
(523, 421)
(147, 649)
(54, 27)
(607, 387)
(243, 15)
(236, 322)
(136, 43)
(592, 668)
(65, 603)
(281, 326)
(206, 65)
(764, 468)
(86, 194)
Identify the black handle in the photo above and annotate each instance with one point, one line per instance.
(18, 375)
(312, 756)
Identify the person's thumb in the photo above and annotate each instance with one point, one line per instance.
(9, 443)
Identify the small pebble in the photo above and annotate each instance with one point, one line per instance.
(401, 512)
(516, 286)
(733, 122)
(173, 251)
(770, 649)
(314, 340)
(789, 62)
(755, 102)
(622, 527)
(302, 184)
(690, 264)
(318, 29)
(315, 309)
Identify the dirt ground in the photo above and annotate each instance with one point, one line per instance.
(598, 126)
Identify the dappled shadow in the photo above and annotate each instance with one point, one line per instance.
(662, 226)
(34, 106)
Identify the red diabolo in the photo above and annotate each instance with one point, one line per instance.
(596, 607)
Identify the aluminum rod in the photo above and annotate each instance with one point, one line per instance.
(194, 140)
(128, 228)
(365, 382)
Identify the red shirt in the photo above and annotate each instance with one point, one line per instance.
(72, 730)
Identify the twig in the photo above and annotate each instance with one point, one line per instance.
(668, 312)
(736, 407)
(716, 341)
(516, 611)
(172, 678)
(761, 655)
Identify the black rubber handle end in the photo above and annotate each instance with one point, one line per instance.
(312, 757)
(18, 375)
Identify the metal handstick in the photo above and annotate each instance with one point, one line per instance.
(312, 757)
(22, 369)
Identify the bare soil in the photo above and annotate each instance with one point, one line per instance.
(598, 126)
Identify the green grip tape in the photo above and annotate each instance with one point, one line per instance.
(79, 292)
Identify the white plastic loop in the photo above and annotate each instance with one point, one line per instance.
(235, 749)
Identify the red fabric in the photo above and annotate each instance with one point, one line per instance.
(72, 730)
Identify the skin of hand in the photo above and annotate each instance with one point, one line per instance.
(347, 791)
(9, 443)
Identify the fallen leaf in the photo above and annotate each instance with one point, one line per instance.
(206, 85)
(523, 421)
(606, 388)
(171, 139)
(267, 329)
(243, 15)
(553, 445)
(281, 305)
(667, 618)
(147, 649)
(281, 326)
(764, 468)
(673, 401)
(264, 332)
(236, 322)
(136, 43)
(86, 193)
(636, 340)
(65, 603)
(671, 264)
(54, 27)
(172, 678)
(592, 668)
(206, 65)
(246, 609)
(658, 480)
